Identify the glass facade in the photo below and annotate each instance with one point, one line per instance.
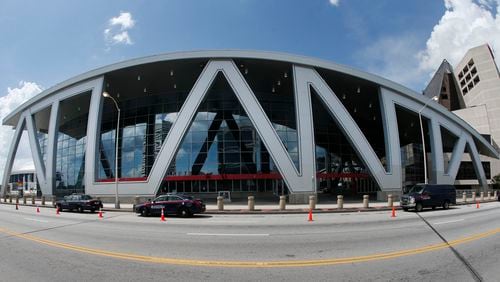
(71, 140)
(41, 120)
(149, 98)
(338, 168)
(221, 150)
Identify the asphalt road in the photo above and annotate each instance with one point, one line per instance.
(460, 244)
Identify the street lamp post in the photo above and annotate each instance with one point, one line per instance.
(117, 201)
(435, 98)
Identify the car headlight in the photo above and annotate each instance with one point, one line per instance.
(412, 200)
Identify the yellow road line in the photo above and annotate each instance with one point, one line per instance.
(253, 264)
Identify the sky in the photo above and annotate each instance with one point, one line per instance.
(43, 43)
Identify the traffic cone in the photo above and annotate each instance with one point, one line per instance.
(37, 209)
(57, 210)
(162, 218)
(477, 204)
(310, 217)
(17, 207)
(393, 212)
(100, 213)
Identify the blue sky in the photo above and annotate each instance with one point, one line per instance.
(43, 43)
(49, 41)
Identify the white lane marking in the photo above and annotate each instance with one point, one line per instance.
(451, 221)
(225, 234)
(37, 220)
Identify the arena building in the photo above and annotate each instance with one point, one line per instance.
(246, 122)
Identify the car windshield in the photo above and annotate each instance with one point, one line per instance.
(86, 197)
(416, 189)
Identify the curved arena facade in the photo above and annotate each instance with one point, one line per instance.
(239, 121)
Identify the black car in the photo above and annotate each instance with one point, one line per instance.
(182, 205)
(421, 196)
(79, 203)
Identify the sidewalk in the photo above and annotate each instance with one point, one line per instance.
(268, 207)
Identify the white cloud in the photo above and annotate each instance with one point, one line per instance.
(117, 29)
(334, 2)
(465, 24)
(14, 98)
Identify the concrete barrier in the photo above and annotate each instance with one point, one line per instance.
(282, 203)
(473, 196)
(390, 202)
(366, 201)
(33, 200)
(482, 196)
(251, 203)
(312, 202)
(220, 203)
(10, 199)
(464, 197)
(24, 200)
(43, 200)
(340, 201)
(495, 194)
(489, 195)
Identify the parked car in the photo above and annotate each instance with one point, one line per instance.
(179, 204)
(422, 196)
(79, 202)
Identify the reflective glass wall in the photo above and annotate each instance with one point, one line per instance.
(71, 140)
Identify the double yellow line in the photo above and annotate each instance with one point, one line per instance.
(253, 264)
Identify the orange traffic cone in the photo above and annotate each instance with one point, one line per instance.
(393, 212)
(57, 210)
(477, 204)
(37, 209)
(310, 217)
(162, 218)
(100, 213)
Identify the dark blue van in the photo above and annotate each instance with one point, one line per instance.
(422, 196)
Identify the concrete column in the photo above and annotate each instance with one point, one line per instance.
(5, 198)
(495, 194)
(464, 197)
(282, 203)
(220, 203)
(366, 201)
(312, 202)
(473, 196)
(489, 195)
(389, 201)
(482, 196)
(43, 200)
(24, 200)
(251, 203)
(10, 199)
(33, 199)
(53, 200)
(340, 201)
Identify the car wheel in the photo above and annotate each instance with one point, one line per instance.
(80, 209)
(433, 207)
(60, 208)
(419, 207)
(405, 209)
(446, 205)
(92, 210)
(183, 212)
(145, 212)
